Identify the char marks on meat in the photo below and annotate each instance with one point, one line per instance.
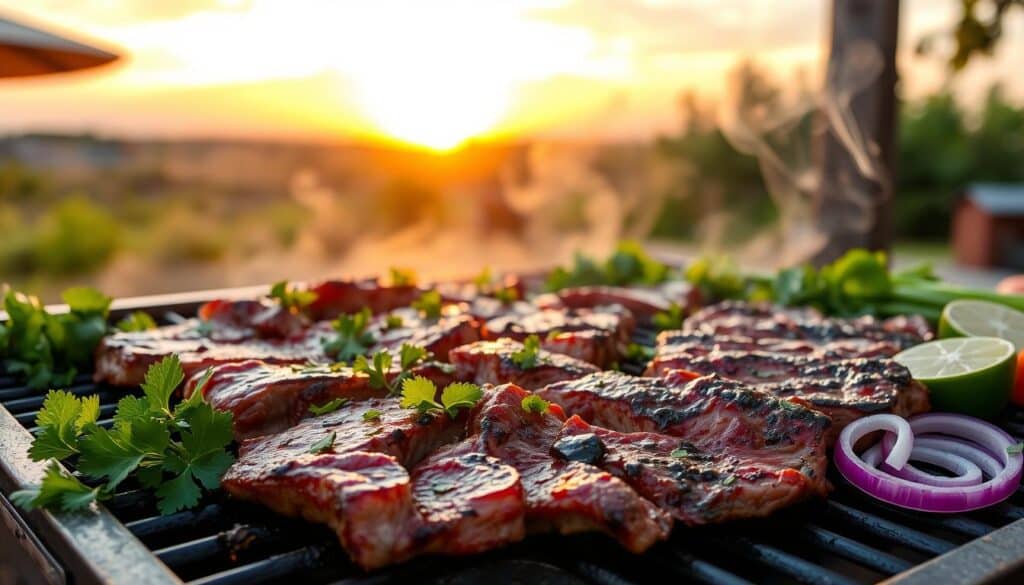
(491, 362)
(339, 297)
(713, 414)
(563, 495)
(438, 336)
(266, 398)
(598, 335)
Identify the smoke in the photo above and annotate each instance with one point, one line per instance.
(784, 139)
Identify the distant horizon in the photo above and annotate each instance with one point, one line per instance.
(312, 72)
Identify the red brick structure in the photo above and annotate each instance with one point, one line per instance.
(988, 226)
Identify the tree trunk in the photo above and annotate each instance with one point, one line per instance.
(855, 153)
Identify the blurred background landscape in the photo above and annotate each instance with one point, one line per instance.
(244, 142)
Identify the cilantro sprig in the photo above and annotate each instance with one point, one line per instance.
(137, 321)
(419, 393)
(47, 350)
(629, 264)
(535, 404)
(402, 276)
(175, 451)
(429, 304)
(672, 318)
(378, 368)
(327, 407)
(352, 339)
(529, 355)
(290, 297)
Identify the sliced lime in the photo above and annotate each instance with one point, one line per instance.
(971, 318)
(971, 375)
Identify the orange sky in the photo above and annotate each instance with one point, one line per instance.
(435, 73)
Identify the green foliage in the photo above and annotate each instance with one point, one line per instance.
(290, 297)
(977, 32)
(380, 369)
(670, 319)
(331, 406)
(529, 355)
(75, 236)
(137, 321)
(325, 444)
(48, 350)
(429, 304)
(419, 393)
(535, 404)
(173, 451)
(629, 264)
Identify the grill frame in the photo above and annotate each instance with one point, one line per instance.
(102, 548)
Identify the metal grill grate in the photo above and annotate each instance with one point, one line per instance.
(847, 539)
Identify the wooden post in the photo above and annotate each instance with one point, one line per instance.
(853, 208)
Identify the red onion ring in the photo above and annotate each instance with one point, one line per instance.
(967, 472)
(984, 441)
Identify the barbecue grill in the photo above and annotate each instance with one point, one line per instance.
(848, 539)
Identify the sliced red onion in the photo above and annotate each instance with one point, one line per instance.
(967, 473)
(983, 440)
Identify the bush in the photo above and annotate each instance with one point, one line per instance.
(76, 236)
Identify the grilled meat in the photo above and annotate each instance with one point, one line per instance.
(596, 335)
(695, 343)
(359, 486)
(248, 319)
(762, 321)
(564, 495)
(490, 362)
(643, 303)
(123, 358)
(843, 389)
(695, 486)
(337, 297)
(438, 336)
(266, 398)
(713, 414)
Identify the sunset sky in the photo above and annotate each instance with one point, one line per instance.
(436, 73)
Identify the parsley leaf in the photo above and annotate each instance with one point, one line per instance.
(380, 370)
(419, 393)
(637, 352)
(670, 319)
(291, 298)
(1015, 449)
(162, 378)
(410, 355)
(82, 299)
(352, 338)
(527, 357)
(137, 321)
(460, 395)
(323, 445)
(429, 304)
(535, 404)
(329, 407)
(393, 321)
(484, 279)
(372, 415)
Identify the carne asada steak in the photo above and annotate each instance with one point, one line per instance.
(339, 297)
(598, 336)
(491, 362)
(843, 389)
(713, 414)
(123, 358)
(763, 321)
(266, 398)
(695, 486)
(438, 336)
(563, 495)
(695, 343)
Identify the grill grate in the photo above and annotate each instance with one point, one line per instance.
(848, 539)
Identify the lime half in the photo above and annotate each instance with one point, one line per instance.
(970, 318)
(971, 375)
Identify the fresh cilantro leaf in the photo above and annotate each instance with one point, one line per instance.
(637, 352)
(180, 493)
(679, 453)
(429, 304)
(162, 378)
(393, 321)
(209, 468)
(729, 480)
(528, 356)
(535, 404)
(82, 299)
(328, 407)
(198, 395)
(1015, 449)
(410, 355)
(484, 279)
(402, 276)
(352, 338)
(207, 430)
(670, 319)
(507, 294)
(291, 298)
(460, 395)
(378, 371)
(419, 393)
(130, 409)
(323, 445)
(60, 490)
(372, 415)
(62, 420)
(137, 321)
(109, 455)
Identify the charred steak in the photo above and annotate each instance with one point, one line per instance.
(491, 362)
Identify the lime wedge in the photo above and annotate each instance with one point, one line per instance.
(971, 375)
(970, 318)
